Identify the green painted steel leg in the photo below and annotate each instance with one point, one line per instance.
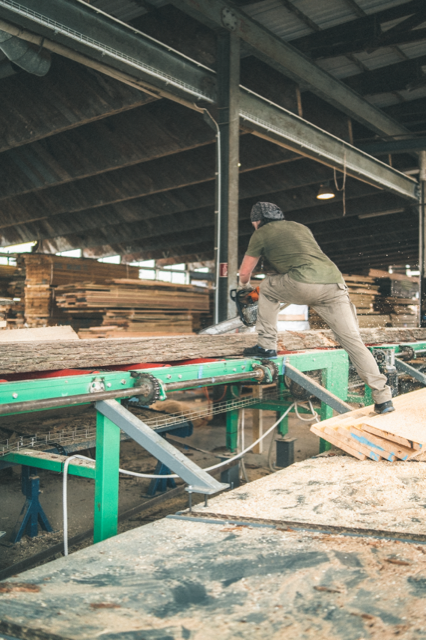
(106, 478)
(368, 398)
(326, 412)
(232, 420)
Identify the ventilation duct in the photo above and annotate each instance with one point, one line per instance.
(25, 55)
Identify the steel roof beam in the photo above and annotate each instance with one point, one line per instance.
(287, 59)
(81, 27)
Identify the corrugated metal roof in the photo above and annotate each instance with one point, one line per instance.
(387, 99)
(325, 13)
(284, 23)
(328, 13)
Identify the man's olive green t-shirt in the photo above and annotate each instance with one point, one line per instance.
(291, 248)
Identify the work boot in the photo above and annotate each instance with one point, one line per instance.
(384, 407)
(259, 352)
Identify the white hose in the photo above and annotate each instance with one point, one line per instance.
(314, 415)
(65, 498)
(243, 466)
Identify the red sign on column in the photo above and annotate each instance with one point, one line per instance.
(223, 270)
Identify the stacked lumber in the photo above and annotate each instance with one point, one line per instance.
(403, 312)
(134, 308)
(45, 356)
(399, 435)
(136, 324)
(10, 309)
(7, 274)
(43, 273)
(42, 269)
(363, 292)
(6, 305)
(398, 297)
(376, 307)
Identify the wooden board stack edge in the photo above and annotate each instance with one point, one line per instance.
(351, 433)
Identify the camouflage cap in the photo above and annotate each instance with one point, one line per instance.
(266, 210)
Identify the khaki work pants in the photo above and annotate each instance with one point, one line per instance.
(332, 303)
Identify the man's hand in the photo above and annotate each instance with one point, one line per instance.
(244, 287)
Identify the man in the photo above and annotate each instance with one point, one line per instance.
(305, 275)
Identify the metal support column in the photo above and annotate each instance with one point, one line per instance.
(422, 240)
(232, 420)
(228, 78)
(106, 478)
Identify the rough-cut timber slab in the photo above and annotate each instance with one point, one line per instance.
(47, 355)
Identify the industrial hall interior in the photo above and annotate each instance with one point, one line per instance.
(212, 319)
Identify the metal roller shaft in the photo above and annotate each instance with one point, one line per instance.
(84, 398)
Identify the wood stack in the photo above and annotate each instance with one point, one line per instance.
(376, 307)
(392, 436)
(403, 312)
(399, 297)
(134, 308)
(43, 273)
(363, 292)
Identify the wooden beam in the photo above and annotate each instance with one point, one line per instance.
(175, 171)
(125, 139)
(146, 218)
(66, 98)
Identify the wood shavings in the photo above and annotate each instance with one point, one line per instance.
(338, 491)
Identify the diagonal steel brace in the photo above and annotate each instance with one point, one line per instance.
(407, 368)
(199, 481)
(316, 389)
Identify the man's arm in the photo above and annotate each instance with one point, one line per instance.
(246, 269)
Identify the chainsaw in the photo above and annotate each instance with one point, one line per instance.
(247, 302)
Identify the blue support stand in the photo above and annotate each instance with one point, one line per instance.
(32, 512)
(159, 484)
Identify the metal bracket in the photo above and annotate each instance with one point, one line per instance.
(316, 389)
(229, 19)
(407, 368)
(97, 385)
(199, 481)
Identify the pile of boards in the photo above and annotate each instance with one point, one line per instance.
(134, 308)
(44, 273)
(400, 435)
(378, 298)
(11, 286)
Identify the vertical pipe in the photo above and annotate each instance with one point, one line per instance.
(228, 75)
(422, 243)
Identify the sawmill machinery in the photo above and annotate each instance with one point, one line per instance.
(322, 374)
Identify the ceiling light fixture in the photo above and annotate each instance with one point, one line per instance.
(325, 192)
